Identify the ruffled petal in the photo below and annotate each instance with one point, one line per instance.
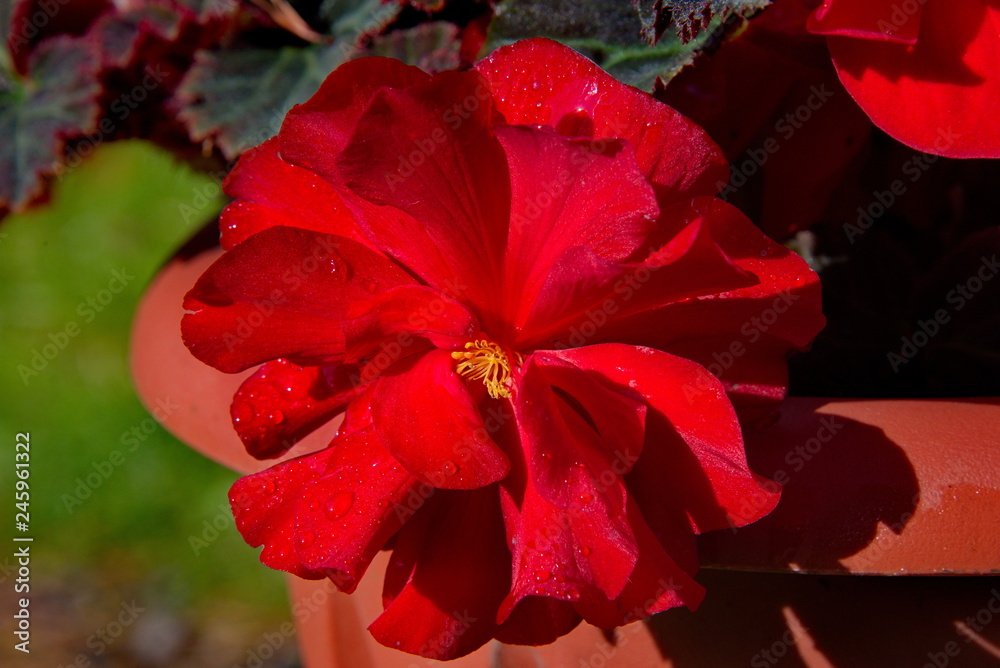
(390, 320)
(264, 507)
(349, 511)
(538, 621)
(563, 195)
(283, 402)
(271, 192)
(583, 293)
(884, 20)
(541, 82)
(746, 334)
(316, 131)
(428, 419)
(939, 95)
(564, 503)
(429, 154)
(460, 573)
(657, 584)
(693, 436)
(281, 293)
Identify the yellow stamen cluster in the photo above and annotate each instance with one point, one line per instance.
(486, 361)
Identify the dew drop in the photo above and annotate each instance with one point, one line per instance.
(573, 595)
(449, 467)
(542, 575)
(268, 487)
(306, 539)
(558, 577)
(338, 505)
(585, 497)
(276, 416)
(242, 411)
(584, 550)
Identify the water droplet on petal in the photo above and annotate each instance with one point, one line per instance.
(338, 505)
(268, 487)
(573, 595)
(242, 411)
(586, 497)
(584, 550)
(558, 577)
(542, 575)
(306, 539)
(449, 467)
(276, 416)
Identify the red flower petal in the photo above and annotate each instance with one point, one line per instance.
(657, 583)
(462, 571)
(617, 413)
(883, 20)
(584, 292)
(283, 402)
(541, 82)
(272, 192)
(389, 321)
(584, 199)
(940, 95)
(701, 450)
(281, 293)
(424, 153)
(348, 513)
(315, 131)
(264, 507)
(564, 504)
(538, 621)
(761, 323)
(427, 418)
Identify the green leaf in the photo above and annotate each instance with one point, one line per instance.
(236, 97)
(55, 103)
(690, 17)
(610, 32)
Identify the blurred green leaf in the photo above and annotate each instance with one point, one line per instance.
(56, 102)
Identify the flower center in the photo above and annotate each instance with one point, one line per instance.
(486, 361)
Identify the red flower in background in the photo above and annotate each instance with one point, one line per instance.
(925, 71)
(511, 280)
(771, 98)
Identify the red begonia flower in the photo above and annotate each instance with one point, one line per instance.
(925, 71)
(511, 282)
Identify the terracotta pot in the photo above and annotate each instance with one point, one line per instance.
(872, 489)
